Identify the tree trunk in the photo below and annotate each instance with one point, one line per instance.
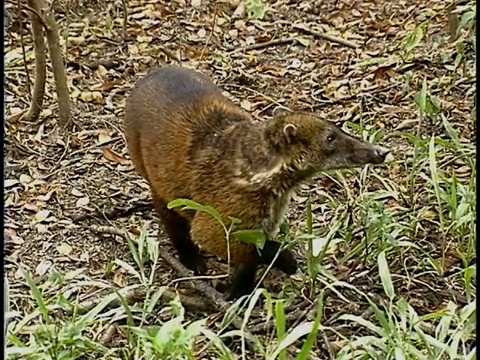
(40, 63)
(58, 68)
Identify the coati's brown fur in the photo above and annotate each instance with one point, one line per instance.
(189, 141)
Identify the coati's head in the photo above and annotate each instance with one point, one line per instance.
(309, 143)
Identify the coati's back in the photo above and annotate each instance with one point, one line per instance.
(163, 112)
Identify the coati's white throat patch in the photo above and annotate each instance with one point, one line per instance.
(267, 175)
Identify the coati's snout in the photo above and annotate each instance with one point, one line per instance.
(341, 150)
(311, 142)
(377, 154)
(354, 152)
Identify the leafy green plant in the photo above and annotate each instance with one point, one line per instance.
(59, 335)
(413, 39)
(172, 339)
(319, 244)
(55, 336)
(256, 8)
(398, 332)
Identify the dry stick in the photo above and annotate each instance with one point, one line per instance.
(135, 295)
(453, 20)
(40, 63)
(326, 37)
(67, 33)
(61, 87)
(214, 22)
(266, 44)
(326, 341)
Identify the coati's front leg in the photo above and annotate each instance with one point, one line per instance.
(285, 261)
(178, 230)
(243, 279)
(207, 233)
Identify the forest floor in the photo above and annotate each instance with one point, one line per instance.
(59, 194)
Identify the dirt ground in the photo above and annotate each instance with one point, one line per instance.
(55, 193)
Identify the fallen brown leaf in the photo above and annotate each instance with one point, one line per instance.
(112, 156)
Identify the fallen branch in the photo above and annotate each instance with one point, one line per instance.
(266, 44)
(136, 295)
(106, 63)
(125, 17)
(326, 37)
(106, 230)
(371, 90)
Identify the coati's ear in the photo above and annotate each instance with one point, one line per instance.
(290, 132)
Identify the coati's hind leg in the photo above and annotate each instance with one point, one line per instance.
(178, 230)
(243, 278)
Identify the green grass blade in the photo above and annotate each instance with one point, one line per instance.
(280, 325)
(37, 295)
(307, 346)
(385, 276)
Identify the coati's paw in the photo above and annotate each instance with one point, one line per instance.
(234, 293)
(194, 262)
(286, 262)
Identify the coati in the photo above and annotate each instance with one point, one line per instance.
(190, 141)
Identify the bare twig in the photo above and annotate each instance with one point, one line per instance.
(106, 230)
(266, 44)
(371, 90)
(106, 63)
(67, 33)
(136, 295)
(328, 346)
(214, 23)
(326, 37)
(40, 63)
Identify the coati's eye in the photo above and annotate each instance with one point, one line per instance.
(330, 138)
